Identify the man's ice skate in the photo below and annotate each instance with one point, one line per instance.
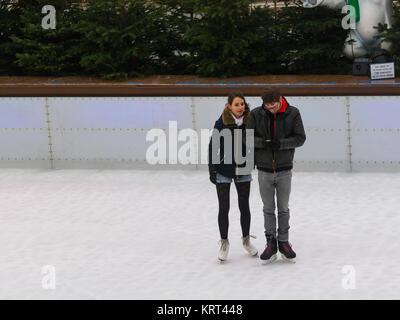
(223, 251)
(287, 253)
(269, 254)
(252, 250)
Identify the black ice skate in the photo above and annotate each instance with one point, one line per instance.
(270, 251)
(287, 253)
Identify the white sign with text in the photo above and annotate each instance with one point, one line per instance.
(382, 70)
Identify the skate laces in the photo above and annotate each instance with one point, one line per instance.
(224, 244)
(287, 246)
(246, 240)
(269, 245)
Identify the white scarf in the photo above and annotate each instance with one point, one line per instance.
(238, 121)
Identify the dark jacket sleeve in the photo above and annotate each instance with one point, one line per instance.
(298, 137)
(212, 166)
(251, 124)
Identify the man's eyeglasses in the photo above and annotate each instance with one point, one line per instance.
(272, 104)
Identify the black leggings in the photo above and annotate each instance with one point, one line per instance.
(243, 190)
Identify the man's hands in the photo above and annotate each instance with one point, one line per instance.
(213, 177)
(273, 144)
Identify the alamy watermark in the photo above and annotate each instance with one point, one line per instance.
(349, 279)
(49, 21)
(49, 277)
(348, 21)
(198, 150)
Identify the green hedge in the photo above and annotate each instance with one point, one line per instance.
(9, 26)
(127, 38)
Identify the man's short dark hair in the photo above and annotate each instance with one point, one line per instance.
(271, 94)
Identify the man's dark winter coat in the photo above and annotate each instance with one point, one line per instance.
(286, 126)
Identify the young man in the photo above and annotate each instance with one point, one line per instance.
(278, 130)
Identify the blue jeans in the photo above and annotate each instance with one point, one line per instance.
(223, 179)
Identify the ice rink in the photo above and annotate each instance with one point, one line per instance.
(148, 234)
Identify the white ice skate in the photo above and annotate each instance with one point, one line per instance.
(223, 251)
(252, 250)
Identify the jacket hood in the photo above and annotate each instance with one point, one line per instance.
(228, 119)
(284, 104)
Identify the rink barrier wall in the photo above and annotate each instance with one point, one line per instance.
(347, 134)
(291, 87)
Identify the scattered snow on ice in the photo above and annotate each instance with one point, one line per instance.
(151, 234)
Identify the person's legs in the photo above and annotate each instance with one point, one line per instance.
(266, 182)
(243, 190)
(283, 187)
(223, 190)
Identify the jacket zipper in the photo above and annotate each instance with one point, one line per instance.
(273, 152)
(237, 137)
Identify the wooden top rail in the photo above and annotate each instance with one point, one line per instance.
(290, 85)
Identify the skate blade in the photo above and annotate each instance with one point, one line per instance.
(287, 259)
(253, 255)
(272, 259)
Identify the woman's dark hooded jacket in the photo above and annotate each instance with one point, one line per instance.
(227, 121)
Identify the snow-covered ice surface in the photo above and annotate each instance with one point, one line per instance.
(143, 234)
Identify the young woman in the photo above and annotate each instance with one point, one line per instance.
(222, 172)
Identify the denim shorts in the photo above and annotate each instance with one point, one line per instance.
(223, 179)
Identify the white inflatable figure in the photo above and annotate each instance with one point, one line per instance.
(368, 13)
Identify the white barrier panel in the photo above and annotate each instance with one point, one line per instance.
(23, 133)
(375, 131)
(325, 121)
(110, 132)
(343, 133)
